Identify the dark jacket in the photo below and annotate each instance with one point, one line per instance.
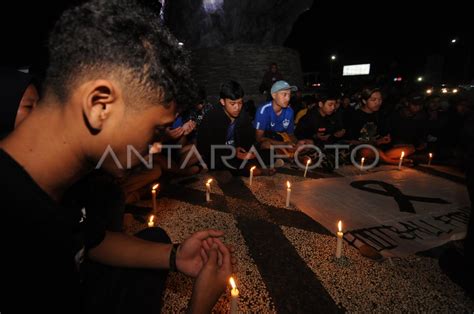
(213, 131)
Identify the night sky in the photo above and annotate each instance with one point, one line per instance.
(395, 38)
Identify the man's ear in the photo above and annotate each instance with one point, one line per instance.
(97, 103)
(222, 101)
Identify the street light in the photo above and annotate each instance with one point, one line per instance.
(420, 78)
(331, 74)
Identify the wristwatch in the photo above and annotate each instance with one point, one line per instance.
(174, 249)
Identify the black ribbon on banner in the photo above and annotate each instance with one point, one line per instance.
(403, 200)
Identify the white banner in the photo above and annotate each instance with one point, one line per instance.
(396, 212)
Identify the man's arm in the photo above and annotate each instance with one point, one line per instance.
(118, 249)
(122, 250)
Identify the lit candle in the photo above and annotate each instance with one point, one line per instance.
(153, 196)
(362, 163)
(429, 160)
(288, 193)
(235, 296)
(339, 240)
(208, 190)
(251, 175)
(401, 160)
(150, 221)
(307, 165)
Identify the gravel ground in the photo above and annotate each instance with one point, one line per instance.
(355, 283)
(362, 285)
(180, 220)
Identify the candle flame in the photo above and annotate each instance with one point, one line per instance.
(288, 184)
(308, 162)
(232, 282)
(431, 155)
(363, 159)
(155, 187)
(403, 154)
(209, 181)
(253, 168)
(339, 225)
(151, 218)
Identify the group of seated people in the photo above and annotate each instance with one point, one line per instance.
(415, 126)
(204, 135)
(224, 136)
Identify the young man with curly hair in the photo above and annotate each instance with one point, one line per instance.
(115, 77)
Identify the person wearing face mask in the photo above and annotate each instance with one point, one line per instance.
(18, 97)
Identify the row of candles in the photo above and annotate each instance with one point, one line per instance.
(155, 187)
(362, 161)
(402, 155)
(208, 190)
(400, 162)
(288, 194)
(288, 190)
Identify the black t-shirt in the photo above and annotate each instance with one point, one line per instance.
(39, 245)
(313, 123)
(367, 126)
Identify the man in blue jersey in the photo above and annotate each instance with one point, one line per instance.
(274, 121)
